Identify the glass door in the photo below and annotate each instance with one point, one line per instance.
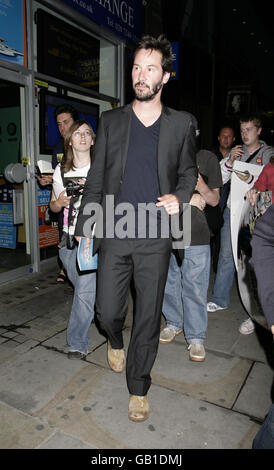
(17, 241)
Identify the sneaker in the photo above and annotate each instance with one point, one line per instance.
(196, 352)
(212, 307)
(247, 327)
(168, 334)
(76, 355)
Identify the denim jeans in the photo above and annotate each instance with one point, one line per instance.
(185, 296)
(226, 267)
(82, 311)
(264, 439)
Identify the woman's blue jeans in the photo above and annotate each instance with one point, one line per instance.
(185, 296)
(82, 311)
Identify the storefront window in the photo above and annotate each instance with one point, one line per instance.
(72, 54)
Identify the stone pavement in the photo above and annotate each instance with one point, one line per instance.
(50, 402)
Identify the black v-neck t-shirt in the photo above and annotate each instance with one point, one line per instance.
(140, 180)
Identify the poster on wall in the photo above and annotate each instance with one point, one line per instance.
(238, 102)
(48, 234)
(8, 232)
(13, 31)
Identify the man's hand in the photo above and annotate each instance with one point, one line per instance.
(45, 180)
(201, 186)
(236, 152)
(197, 201)
(252, 195)
(87, 244)
(170, 202)
(210, 196)
(63, 199)
(243, 177)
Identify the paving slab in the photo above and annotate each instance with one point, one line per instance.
(21, 431)
(19, 295)
(98, 415)
(16, 316)
(60, 440)
(11, 349)
(255, 397)
(2, 339)
(216, 380)
(59, 341)
(32, 379)
(223, 330)
(41, 328)
(83, 404)
(249, 347)
(71, 410)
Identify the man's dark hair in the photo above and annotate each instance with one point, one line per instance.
(160, 44)
(252, 118)
(66, 108)
(226, 126)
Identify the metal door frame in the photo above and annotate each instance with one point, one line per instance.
(26, 80)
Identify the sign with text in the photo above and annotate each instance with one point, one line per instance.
(122, 17)
(7, 228)
(8, 232)
(175, 66)
(67, 53)
(48, 234)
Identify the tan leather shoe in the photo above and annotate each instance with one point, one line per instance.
(138, 409)
(116, 359)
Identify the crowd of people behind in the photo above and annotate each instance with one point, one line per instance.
(148, 153)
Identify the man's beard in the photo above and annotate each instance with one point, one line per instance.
(149, 96)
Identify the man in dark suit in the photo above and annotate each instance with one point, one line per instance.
(144, 154)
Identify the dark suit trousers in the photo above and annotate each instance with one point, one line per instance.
(147, 262)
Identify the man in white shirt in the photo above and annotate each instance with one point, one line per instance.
(252, 151)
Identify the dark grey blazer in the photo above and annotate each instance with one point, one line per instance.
(177, 169)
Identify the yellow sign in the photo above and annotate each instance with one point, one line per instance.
(114, 104)
(41, 83)
(25, 161)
